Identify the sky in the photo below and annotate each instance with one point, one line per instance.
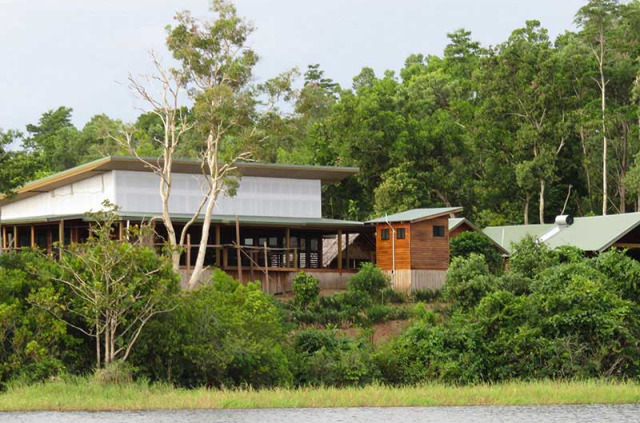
(78, 53)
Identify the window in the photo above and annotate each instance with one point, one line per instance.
(384, 235)
(438, 231)
(400, 233)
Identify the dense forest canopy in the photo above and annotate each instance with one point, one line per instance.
(515, 133)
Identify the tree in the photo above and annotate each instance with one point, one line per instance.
(115, 287)
(596, 20)
(215, 73)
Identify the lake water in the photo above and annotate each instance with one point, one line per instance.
(538, 414)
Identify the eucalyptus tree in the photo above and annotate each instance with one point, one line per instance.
(596, 21)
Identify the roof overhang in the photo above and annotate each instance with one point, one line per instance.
(225, 220)
(326, 174)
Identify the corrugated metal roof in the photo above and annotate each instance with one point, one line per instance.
(595, 233)
(507, 235)
(416, 214)
(297, 222)
(454, 222)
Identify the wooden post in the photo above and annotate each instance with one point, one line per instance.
(287, 244)
(295, 258)
(49, 241)
(188, 259)
(16, 243)
(61, 236)
(218, 242)
(4, 238)
(339, 249)
(121, 230)
(33, 237)
(238, 246)
(266, 267)
(225, 258)
(347, 250)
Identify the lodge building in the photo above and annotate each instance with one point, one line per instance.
(274, 220)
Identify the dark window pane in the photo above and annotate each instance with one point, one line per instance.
(400, 233)
(385, 234)
(438, 231)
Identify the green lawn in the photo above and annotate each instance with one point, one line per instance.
(84, 395)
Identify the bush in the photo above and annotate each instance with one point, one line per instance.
(323, 358)
(115, 373)
(224, 334)
(306, 289)
(467, 281)
(468, 243)
(369, 279)
(35, 344)
(427, 295)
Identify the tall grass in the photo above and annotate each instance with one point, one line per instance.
(82, 394)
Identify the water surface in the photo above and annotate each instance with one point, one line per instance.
(538, 414)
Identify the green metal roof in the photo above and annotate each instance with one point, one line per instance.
(595, 233)
(416, 214)
(507, 235)
(454, 222)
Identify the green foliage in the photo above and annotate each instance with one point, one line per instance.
(325, 358)
(426, 295)
(223, 334)
(34, 344)
(369, 279)
(467, 281)
(306, 289)
(466, 243)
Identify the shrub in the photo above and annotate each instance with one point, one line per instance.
(224, 334)
(306, 289)
(427, 295)
(392, 296)
(34, 344)
(325, 358)
(369, 279)
(468, 243)
(115, 373)
(467, 281)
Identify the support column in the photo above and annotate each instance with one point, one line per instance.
(287, 245)
(33, 237)
(121, 230)
(238, 246)
(339, 249)
(4, 239)
(61, 236)
(16, 243)
(218, 242)
(347, 250)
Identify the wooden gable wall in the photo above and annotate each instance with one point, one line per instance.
(427, 251)
(384, 248)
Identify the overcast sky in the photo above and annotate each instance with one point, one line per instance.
(77, 53)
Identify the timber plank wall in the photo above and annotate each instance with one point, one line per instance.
(427, 251)
(384, 248)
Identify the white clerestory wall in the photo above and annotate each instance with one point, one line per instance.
(138, 192)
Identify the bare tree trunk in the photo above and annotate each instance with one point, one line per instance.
(541, 206)
(603, 99)
(526, 209)
(198, 268)
(585, 152)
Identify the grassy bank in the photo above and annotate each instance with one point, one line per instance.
(83, 395)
